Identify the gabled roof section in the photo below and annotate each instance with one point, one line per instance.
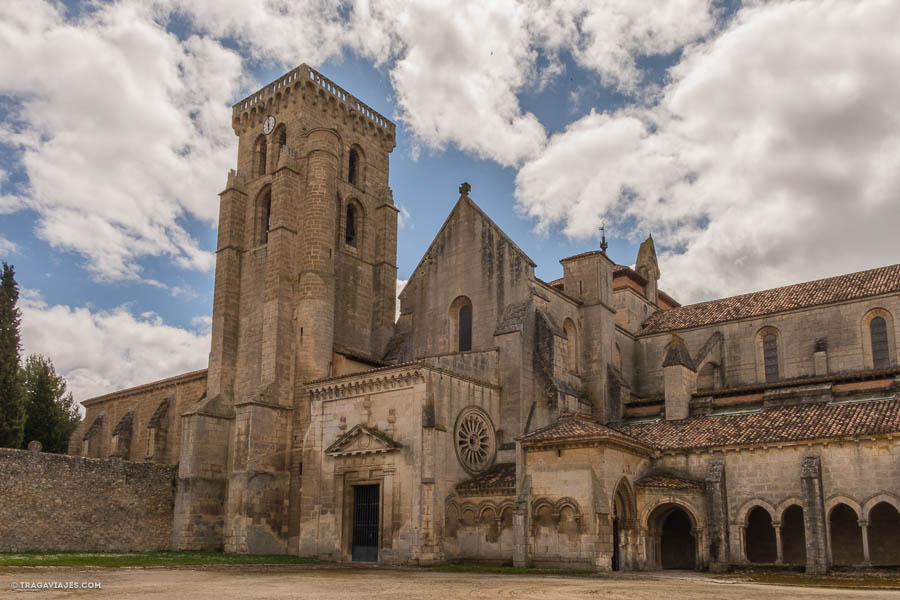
(571, 428)
(774, 425)
(668, 482)
(464, 200)
(853, 286)
(362, 440)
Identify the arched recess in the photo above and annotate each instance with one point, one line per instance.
(263, 215)
(673, 527)
(878, 341)
(744, 511)
(279, 139)
(260, 155)
(618, 358)
(354, 218)
(845, 535)
(571, 344)
(759, 536)
(884, 534)
(709, 377)
(624, 512)
(460, 314)
(451, 520)
(793, 535)
(356, 166)
(769, 355)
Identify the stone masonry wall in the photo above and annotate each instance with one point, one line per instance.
(53, 502)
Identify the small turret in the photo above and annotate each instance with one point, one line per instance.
(648, 268)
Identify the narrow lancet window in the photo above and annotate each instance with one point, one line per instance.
(353, 168)
(350, 230)
(465, 328)
(770, 357)
(881, 358)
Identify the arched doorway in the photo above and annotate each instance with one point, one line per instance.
(622, 523)
(671, 530)
(760, 537)
(846, 536)
(884, 535)
(793, 536)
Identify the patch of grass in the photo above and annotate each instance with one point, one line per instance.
(144, 559)
(508, 570)
(836, 578)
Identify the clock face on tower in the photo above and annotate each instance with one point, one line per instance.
(268, 125)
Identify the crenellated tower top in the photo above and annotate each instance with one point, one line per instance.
(305, 84)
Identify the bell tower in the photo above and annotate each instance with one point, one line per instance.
(305, 279)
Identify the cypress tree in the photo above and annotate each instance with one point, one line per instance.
(51, 414)
(12, 398)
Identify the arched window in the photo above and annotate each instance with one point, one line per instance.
(280, 142)
(770, 356)
(572, 345)
(353, 167)
(351, 225)
(465, 328)
(881, 357)
(259, 156)
(264, 216)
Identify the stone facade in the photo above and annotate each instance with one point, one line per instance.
(58, 503)
(591, 421)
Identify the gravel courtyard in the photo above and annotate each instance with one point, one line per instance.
(220, 583)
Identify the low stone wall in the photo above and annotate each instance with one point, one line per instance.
(54, 502)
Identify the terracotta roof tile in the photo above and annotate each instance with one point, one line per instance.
(572, 427)
(800, 295)
(668, 482)
(499, 478)
(771, 425)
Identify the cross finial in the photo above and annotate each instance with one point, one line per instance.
(603, 244)
(464, 189)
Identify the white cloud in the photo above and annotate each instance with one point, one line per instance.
(123, 131)
(7, 247)
(773, 155)
(104, 351)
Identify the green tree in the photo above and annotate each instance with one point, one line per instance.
(12, 398)
(51, 412)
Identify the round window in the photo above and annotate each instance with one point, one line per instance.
(476, 443)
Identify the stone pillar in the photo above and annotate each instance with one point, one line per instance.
(227, 292)
(814, 515)
(521, 513)
(717, 515)
(385, 273)
(864, 527)
(779, 549)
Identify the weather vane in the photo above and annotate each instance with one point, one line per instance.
(603, 244)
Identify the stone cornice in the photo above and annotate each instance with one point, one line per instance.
(367, 382)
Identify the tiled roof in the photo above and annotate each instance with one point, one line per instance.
(800, 295)
(499, 478)
(668, 482)
(771, 425)
(574, 427)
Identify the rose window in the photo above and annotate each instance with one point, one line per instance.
(476, 444)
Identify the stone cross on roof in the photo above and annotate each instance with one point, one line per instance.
(464, 189)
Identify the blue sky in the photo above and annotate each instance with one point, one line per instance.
(757, 141)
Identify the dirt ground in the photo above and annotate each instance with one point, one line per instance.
(221, 583)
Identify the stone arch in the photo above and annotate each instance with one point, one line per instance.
(356, 166)
(354, 218)
(567, 502)
(260, 155)
(542, 514)
(262, 215)
(883, 520)
(744, 510)
(769, 354)
(793, 534)
(618, 358)
(451, 519)
(673, 530)
(709, 376)
(461, 318)
(506, 510)
(866, 336)
(842, 517)
(489, 521)
(485, 506)
(623, 501)
(778, 513)
(759, 536)
(571, 345)
(279, 140)
(869, 504)
(468, 514)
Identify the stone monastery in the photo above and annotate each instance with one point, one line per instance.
(588, 422)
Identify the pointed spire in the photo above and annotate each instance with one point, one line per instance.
(603, 244)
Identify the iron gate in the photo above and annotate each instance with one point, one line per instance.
(365, 523)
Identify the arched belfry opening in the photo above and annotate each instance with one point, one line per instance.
(263, 216)
(353, 166)
(260, 156)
